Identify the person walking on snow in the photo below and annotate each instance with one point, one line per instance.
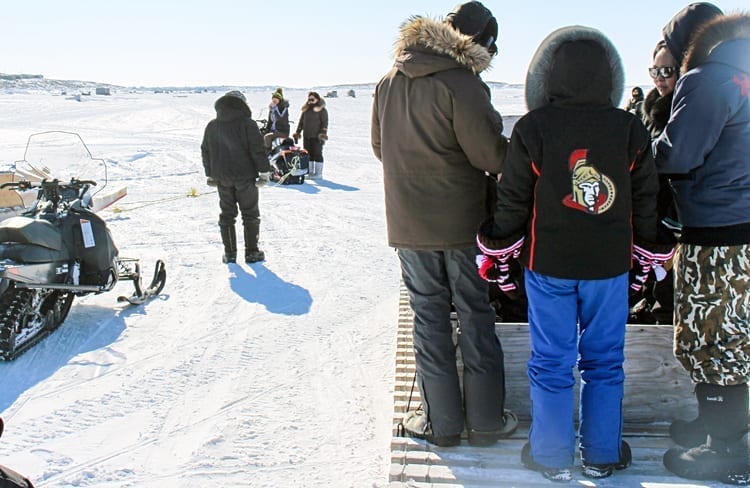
(313, 122)
(437, 134)
(705, 151)
(235, 162)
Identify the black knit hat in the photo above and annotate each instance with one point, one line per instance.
(684, 24)
(475, 20)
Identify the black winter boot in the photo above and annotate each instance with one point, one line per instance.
(252, 233)
(723, 456)
(229, 238)
(690, 433)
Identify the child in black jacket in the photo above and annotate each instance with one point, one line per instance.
(578, 186)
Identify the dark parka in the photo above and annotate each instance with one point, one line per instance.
(313, 120)
(436, 132)
(232, 147)
(574, 138)
(656, 110)
(706, 146)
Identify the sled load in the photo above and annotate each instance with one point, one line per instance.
(59, 248)
(289, 162)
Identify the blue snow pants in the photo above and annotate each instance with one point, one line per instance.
(433, 280)
(576, 322)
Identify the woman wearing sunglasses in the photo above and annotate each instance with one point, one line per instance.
(658, 306)
(314, 123)
(664, 71)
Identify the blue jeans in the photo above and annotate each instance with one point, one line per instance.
(576, 322)
(434, 280)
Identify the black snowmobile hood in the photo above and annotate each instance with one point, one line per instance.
(230, 107)
(426, 46)
(575, 65)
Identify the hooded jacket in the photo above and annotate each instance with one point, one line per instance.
(232, 147)
(705, 148)
(313, 120)
(278, 117)
(579, 178)
(437, 135)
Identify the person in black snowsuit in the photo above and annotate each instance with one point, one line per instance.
(235, 162)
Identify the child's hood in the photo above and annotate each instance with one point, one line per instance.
(575, 65)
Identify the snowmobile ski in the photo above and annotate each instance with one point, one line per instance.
(141, 295)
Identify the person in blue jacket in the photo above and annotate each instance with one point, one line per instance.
(705, 151)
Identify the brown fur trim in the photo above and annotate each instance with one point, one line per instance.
(720, 29)
(443, 38)
(316, 108)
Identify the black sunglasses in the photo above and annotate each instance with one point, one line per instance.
(665, 72)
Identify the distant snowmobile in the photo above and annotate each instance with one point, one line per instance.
(59, 248)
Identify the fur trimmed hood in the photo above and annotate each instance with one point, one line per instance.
(231, 107)
(719, 30)
(595, 76)
(320, 105)
(423, 35)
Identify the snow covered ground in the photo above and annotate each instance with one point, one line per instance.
(275, 374)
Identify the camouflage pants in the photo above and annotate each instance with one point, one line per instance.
(712, 313)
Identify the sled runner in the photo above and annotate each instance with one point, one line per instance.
(59, 248)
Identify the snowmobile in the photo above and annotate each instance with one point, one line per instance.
(60, 248)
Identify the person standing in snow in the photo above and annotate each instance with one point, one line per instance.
(235, 162)
(578, 188)
(278, 118)
(705, 151)
(437, 135)
(313, 122)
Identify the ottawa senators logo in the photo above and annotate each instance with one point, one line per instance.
(593, 192)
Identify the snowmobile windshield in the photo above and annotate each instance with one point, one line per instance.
(63, 156)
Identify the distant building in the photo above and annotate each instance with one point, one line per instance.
(102, 91)
(351, 93)
(332, 94)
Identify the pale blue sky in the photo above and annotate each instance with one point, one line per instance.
(289, 43)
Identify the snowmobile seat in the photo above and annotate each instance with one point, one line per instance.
(24, 230)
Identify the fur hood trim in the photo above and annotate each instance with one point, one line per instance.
(318, 107)
(231, 107)
(442, 38)
(537, 77)
(720, 29)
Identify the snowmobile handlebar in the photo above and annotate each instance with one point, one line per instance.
(21, 185)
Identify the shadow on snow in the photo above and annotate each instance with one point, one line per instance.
(87, 328)
(267, 289)
(315, 188)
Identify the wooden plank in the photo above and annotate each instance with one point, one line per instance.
(106, 198)
(657, 388)
(651, 371)
(10, 198)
